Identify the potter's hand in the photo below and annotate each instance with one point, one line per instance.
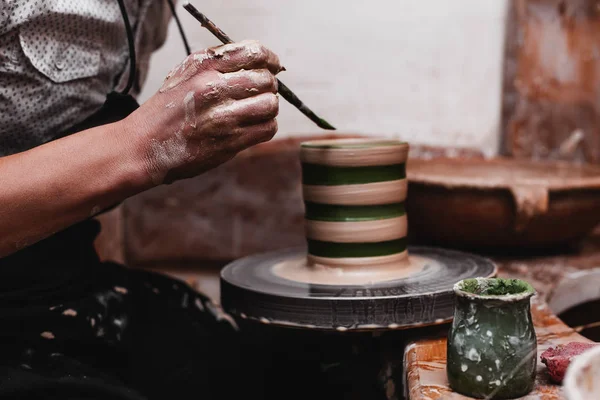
(216, 103)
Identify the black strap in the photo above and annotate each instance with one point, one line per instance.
(131, 43)
(185, 42)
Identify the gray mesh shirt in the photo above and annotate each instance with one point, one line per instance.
(60, 58)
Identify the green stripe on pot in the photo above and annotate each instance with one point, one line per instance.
(342, 250)
(313, 174)
(327, 212)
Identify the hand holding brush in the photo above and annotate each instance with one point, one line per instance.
(284, 91)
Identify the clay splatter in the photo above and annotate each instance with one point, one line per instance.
(70, 313)
(47, 335)
(120, 289)
(220, 315)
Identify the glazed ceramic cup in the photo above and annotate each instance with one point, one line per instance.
(582, 380)
(354, 192)
(492, 347)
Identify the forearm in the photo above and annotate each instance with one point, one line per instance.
(215, 104)
(53, 186)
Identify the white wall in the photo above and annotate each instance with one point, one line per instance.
(426, 71)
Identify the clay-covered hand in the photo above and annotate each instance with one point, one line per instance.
(216, 103)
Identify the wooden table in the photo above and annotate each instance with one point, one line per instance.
(425, 360)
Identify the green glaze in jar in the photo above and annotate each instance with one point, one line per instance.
(492, 347)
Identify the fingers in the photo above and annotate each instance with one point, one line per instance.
(249, 136)
(259, 109)
(239, 113)
(247, 55)
(240, 85)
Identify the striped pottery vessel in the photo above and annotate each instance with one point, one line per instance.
(354, 193)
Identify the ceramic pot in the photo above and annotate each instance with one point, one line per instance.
(492, 347)
(354, 192)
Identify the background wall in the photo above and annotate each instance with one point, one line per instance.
(427, 71)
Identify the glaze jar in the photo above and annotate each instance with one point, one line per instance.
(492, 346)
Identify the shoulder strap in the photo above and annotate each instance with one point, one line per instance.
(131, 43)
(181, 32)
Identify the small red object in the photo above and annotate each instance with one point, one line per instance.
(557, 359)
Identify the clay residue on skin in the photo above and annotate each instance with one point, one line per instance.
(190, 109)
(184, 71)
(167, 155)
(252, 48)
(192, 64)
(225, 111)
(213, 93)
(171, 104)
(171, 153)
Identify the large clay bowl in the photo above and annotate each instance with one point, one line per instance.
(501, 203)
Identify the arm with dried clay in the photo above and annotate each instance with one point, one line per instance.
(216, 103)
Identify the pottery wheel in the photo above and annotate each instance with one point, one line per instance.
(251, 288)
(356, 272)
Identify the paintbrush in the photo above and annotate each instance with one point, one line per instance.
(285, 92)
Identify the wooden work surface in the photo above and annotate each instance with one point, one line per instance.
(425, 360)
